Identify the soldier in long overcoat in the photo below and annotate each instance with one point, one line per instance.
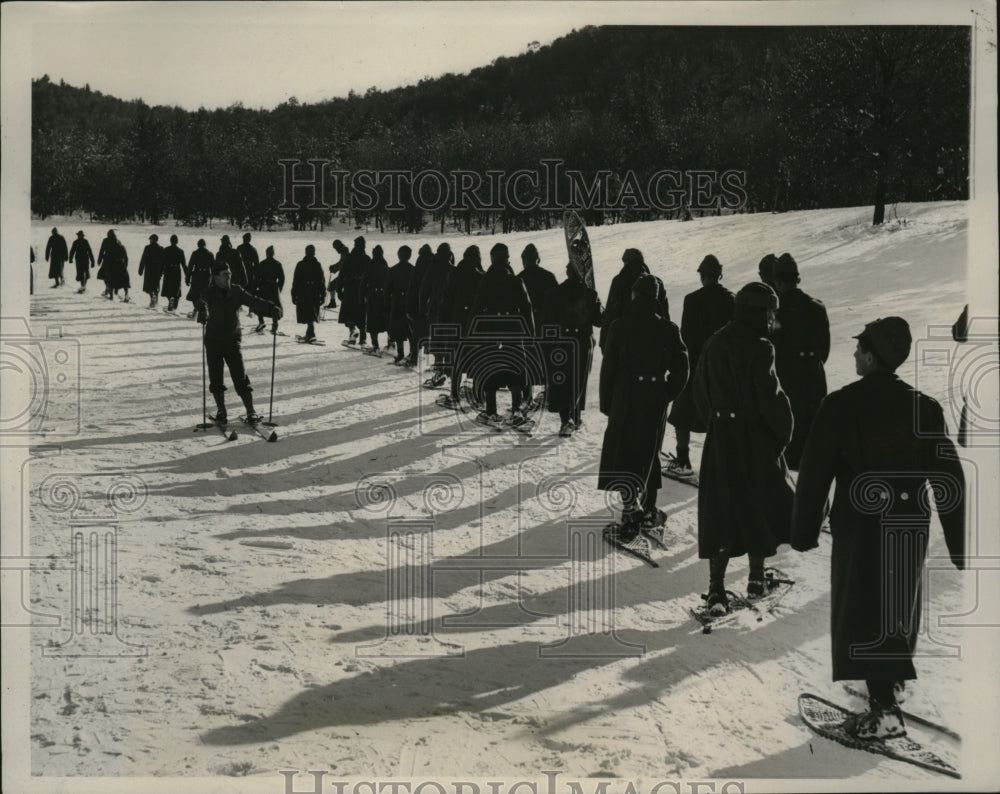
(574, 310)
(457, 299)
(801, 347)
(269, 281)
(431, 289)
(887, 447)
(56, 255)
(174, 270)
(82, 254)
(644, 367)
(539, 283)
(373, 292)
(414, 309)
(745, 496)
(232, 257)
(397, 284)
(501, 328)
(352, 312)
(199, 272)
(620, 292)
(113, 260)
(151, 268)
(705, 311)
(308, 291)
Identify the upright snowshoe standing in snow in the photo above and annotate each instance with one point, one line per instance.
(578, 247)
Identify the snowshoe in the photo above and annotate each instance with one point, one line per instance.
(567, 429)
(435, 381)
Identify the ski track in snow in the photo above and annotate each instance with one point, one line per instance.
(257, 575)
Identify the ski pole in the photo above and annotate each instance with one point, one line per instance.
(274, 352)
(205, 424)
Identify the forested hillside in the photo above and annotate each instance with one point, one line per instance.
(814, 117)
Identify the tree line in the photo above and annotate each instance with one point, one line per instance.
(813, 117)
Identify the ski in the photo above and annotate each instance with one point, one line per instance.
(668, 459)
(265, 433)
(229, 435)
(827, 719)
(524, 427)
(495, 426)
(638, 547)
(851, 689)
(303, 341)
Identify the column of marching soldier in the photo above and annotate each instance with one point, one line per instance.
(747, 370)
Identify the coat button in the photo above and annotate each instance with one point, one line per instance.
(904, 496)
(732, 415)
(640, 378)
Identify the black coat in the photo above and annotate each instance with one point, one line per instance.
(199, 272)
(744, 494)
(432, 287)
(173, 268)
(619, 296)
(706, 310)
(270, 280)
(574, 310)
(308, 289)
(222, 307)
(351, 305)
(644, 368)
(82, 254)
(397, 285)
(251, 259)
(113, 262)
(373, 295)
(801, 347)
(883, 442)
(539, 283)
(501, 329)
(56, 254)
(151, 268)
(459, 294)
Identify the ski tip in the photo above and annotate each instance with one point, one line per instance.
(273, 436)
(232, 436)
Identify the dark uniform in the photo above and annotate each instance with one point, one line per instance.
(113, 262)
(334, 287)
(884, 443)
(56, 255)
(352, 310)
(501, 328)
(270, 281)
(174, 269)
(83, 256)
(251, 259)
(620, 292)
(397, 284)
(431, 289)
(151, 268)
(414, 309)
(308, 290)
(574, 310)
(539, 284)
(801, 346)
(645, 366)
(457, 299)
(706, 310)
(745, 496)
(199, 272)
(232, 257)
(373, 295)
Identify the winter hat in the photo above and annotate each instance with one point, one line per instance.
(201, 243)
(499, 253)
(154, 238)
(246, 237)
(766, 267)
(786, 267)
(79, 234)
(757, 295)
(173, 238)
(339, 247)
(310, 250)
(633, 256)
(472, 252)
(530, 254)
(889, 338)
(710, 266)
(218, 266)
(646, 286)
(269, 251)
(404, 253)
(359, 241)
(225, 241)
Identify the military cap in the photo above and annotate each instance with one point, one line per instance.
(710, 265)
(758, 295)
(786, 267)
(889, 338)
(218, 266)
(646, 286)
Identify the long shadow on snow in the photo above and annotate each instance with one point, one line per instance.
(487, 679)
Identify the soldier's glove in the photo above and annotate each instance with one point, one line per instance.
(202, 317)
(277, 313)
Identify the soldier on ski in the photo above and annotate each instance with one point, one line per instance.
(706, 310)
(575, 310)
(251, 259)
(232, 257)
(539, 283)
(56, 255)
(645, 366)
(457, 298)
(801, 347)
(199, 273)
(151, 269)
(269, 282)
(397, 284)
(334, 287)
(501, 315)
(308, 292)
(82, 255)
(373, 294)
(887, 447)
(414, 309)
(745, 497)
(218, 310)
(173, 268)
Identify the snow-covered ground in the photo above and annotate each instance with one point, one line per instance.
(388, 592)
